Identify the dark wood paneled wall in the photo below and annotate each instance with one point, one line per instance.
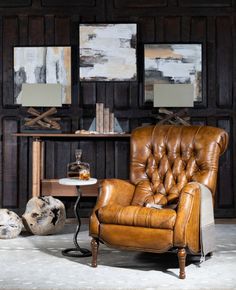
(56, 22)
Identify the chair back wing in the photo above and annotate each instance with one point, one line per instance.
(164, 158)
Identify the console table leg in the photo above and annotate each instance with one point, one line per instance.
(36, 167)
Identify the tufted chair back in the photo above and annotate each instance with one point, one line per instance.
(165, 158)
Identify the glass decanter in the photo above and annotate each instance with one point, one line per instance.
(78, 169)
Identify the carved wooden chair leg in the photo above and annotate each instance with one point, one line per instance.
(182, 259)
(94, 247)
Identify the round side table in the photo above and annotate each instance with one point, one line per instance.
(77, 251)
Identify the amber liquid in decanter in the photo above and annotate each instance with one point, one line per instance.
(78, 169)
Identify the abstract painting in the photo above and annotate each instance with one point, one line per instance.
(172, 64)
(108, 52)
(46, 65)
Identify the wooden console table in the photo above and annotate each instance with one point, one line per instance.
(38, 154)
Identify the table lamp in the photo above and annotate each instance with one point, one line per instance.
(173, 95)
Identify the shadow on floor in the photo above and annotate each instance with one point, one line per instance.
(112, 257)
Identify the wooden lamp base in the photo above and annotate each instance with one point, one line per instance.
(42, 121)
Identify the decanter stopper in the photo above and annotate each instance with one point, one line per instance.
(78, 154)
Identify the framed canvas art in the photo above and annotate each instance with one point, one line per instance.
(42, 65)
(173, 71)
(108, 52)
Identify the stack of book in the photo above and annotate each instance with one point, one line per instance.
(104, 119)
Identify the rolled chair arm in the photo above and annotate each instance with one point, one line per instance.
(187, 225)
(111, 191)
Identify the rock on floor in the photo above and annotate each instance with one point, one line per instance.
(10, 224)
(44, 215)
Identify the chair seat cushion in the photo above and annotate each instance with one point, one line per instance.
(137, 216)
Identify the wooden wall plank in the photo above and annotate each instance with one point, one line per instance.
(160, 29)
(110, 158)
(62, 154)
(50, 28)
(23, 30)
(109, 103)
(224, 61)
(211, 63)
(225, 196)
(121, 95)
(124, 123)
(121, 157)
(173, 3)
(74, 41)
(140, 4)
(49, 159)
(205, 3)
(30, 167)
(62, 158)
(10, 38)
(146, 29)
(198, 29)
(234, 61)
(62, 30)
(101, 92)
(86, 122)
(134, 95)
(15, 3)
(87, 95)
(100, 159)
(66, 124)
(1, 163)
(185, 28)
(36, 30)
(10, 163)
(88, 18)
(172, 29)
(68, 3)
(23, 172)
(199, 35)
(1, 65)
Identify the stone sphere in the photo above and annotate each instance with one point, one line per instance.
(10, 224)
(44, 215)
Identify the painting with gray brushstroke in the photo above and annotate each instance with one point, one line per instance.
(48, 65)
(172, 64)
(108, 52)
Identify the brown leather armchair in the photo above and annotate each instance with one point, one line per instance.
(167, 163)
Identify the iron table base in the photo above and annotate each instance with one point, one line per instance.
(77, 251)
